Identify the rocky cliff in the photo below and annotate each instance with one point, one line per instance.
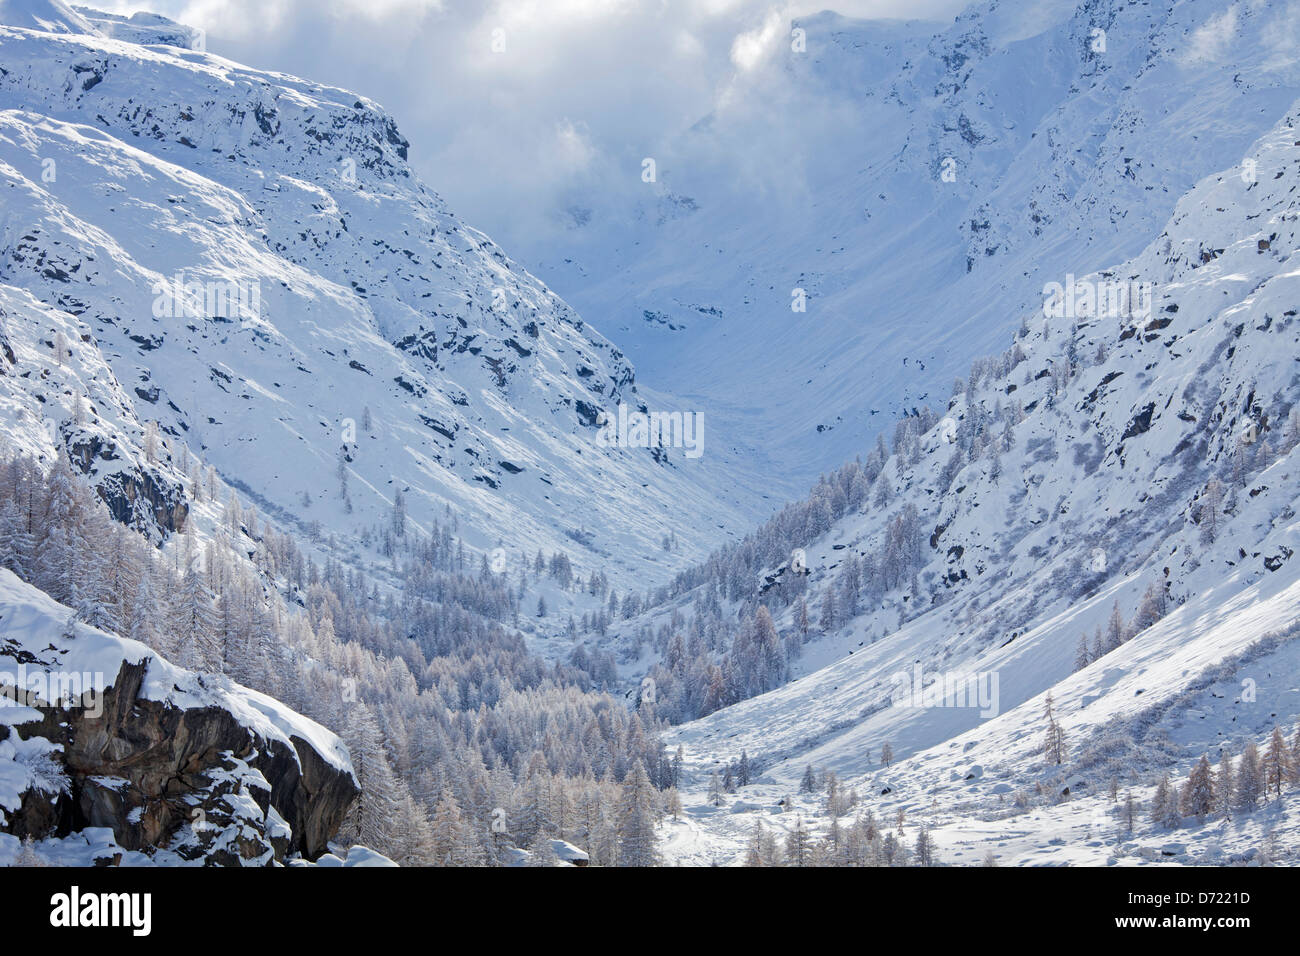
(104, 743)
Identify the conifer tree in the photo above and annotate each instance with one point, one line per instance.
(1054, 738)
(754, 848)
(1295, 757)
(1082, 655)
(541, 852)
(1165, 807)
(1225, 785)
(809, 782)
(1159, 799)
(1277, 763)
(1249, 778)
(194, 623)
(924, 849)
(797, 849)
(1198, 792)
(1115, 630)
(637, 818)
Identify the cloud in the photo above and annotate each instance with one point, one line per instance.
(750, 48)
(1210, 41)
(517, 109)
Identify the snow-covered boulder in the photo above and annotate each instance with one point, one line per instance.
(364, 856)
(566, 852)
(100, 732)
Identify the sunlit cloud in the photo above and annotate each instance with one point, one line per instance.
(515, 107)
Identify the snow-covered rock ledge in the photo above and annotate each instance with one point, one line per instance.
(99, 733)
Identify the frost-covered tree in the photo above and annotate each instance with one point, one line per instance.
(829, 617)
(637, 819)
(762, 849)
(809, 782)
(1277, 763)
(1164, 805)
(1152, 607)
(1130, 812)
(1225, 785)
(1249, 778)
(1054, 735)
(28, 857)
(398, 517)
(1082, 655)
(1116, 630)
(1210, 510)
(798, 845)
(1198, 792)
(193, 621)
(924, 849)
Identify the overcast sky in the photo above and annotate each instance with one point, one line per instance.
(582, 90)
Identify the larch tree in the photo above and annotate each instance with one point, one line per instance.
(924, 849)
(1225, 785)
(1054, 736)
(1277, 763)
(1198, 792)
(797, 845)
(637, 818)
(809, 782)
(1249, 778)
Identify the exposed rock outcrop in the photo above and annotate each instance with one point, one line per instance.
(178, 766)
(139, 498)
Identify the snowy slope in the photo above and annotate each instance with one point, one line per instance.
(48, 16)
(826, 171)
(341, 285)
(77, 408)
(142, 27)
(1099, 490)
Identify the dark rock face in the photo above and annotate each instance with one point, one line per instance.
(6, 353)
(194, 781)
(138, 498)
(142, 498)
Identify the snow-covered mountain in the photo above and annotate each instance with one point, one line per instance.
(204, 264)
(920, 183)
(1141, 459)
(252, 258)
(47, 16)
